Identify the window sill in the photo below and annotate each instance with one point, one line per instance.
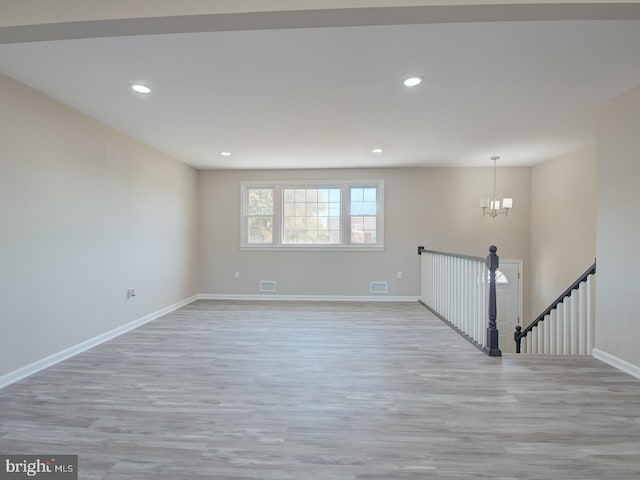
(314, 248)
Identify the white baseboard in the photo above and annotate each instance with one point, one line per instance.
(617, 362)
(310, 298)
(46, 362)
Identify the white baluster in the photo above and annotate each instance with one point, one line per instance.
(582, 318)
(465, 296)
(557, 327)
(478, 270)
(591, 312)
(547, 336)
(534, 340)
(553, 333)
(479, 313)
(540, 338)
(438, 284)
(565, 334)
(575, 334)
(450, 290)
(484, 319)
(456, 292)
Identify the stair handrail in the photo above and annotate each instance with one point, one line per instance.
(520, 333)
(448, 254)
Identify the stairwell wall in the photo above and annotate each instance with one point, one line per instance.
(618, 231)
(563, 224)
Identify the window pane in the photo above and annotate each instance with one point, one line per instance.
(289, 233)
(369, 208)
(323, 194)
(288, 194)
(260, 201)
(300, 195)
(312, 195)
(370, 223)
(289, 210)
(370, 194)
(261, 229)
(306, 217)
(363, 230)
(364, 201)
(364, 211)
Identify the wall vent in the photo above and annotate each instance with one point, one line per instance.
(379, 287)
(268, 286)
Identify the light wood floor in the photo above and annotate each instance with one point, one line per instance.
(326, 391)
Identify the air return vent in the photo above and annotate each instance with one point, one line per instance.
(268, 286)
(379, 287)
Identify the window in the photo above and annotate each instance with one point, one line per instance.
(312, 215)
(364, 215)
(260, 215)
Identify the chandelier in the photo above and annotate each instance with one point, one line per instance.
(491, 206)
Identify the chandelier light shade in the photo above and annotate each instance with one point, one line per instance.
(491, 207)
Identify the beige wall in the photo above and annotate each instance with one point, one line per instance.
(86, 213)
(563, 224)
(618, 228)
(434, 207)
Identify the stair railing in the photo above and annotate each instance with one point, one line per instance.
(567, 326)
(461, 291)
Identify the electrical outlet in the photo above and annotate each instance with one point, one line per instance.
(399, 275)
(237, 275)
(131, 293)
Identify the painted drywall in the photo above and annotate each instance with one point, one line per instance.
(563, 224)
(87, 213)
(618, 228)
(435, 207)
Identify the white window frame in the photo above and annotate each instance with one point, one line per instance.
(345, 218)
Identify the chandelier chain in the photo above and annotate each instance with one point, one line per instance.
(495, 180)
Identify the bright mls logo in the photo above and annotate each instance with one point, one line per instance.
(58, 467)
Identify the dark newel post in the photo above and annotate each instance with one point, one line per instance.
(491, 348)
(518, 338)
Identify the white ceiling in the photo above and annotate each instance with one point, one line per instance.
(324, 97)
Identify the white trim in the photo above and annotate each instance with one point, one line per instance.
(309, 298)
(616, 362)
(312, 248)
(27, 370)
(520, 264)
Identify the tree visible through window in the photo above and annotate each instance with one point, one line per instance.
(260, 215)
(311, 216)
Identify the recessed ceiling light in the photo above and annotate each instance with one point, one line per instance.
(376, 150)
(412, 81)
(139, 88)
(225, 154)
